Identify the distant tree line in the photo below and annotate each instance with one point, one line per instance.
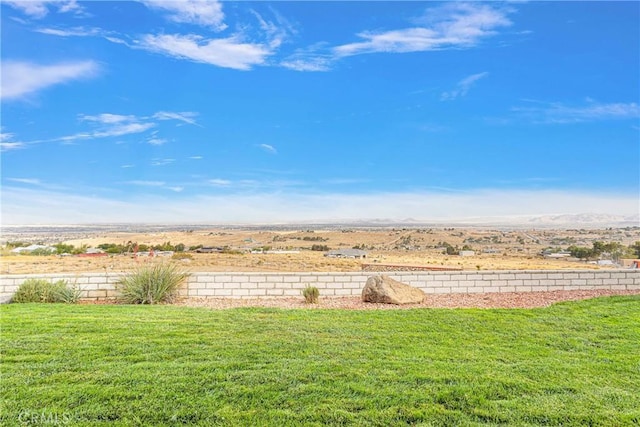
(615, 249)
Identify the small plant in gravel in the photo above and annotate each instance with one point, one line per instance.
(151, 284)
(40, 290)
(311, 294)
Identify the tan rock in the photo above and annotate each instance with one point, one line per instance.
(383, 289)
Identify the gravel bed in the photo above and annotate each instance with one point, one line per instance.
(490, 300)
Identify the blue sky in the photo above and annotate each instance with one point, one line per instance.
(265, 112)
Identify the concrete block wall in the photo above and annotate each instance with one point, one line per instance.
(273, 285)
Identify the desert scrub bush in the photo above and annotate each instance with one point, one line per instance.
(40, 290)
(181, 256)
(311, 294)
(151, 284)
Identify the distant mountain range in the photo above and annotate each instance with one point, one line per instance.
(530, 221)
(588, 219)
(527, 221)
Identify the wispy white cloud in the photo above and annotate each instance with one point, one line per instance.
(146, 183)
(20, 79)
(452, 26)
(71, 32)
(229, 52)
(317, 57)
(162, 162)
(122, 129)
(39, 9)
(109, 125)
(196, 157)
(268, 148)
(275, 32)
(156, 141)
(31, 181)
(36, 183)
(184, 116)
(462, 87)
(107, 118)
(308, 63)
(236, 51)
(9, 146)
(8, 142)
(5, 136)
(456, 25)
(207, 13)
(217, 182)
(127, 166)
(560, 113)
(344, 181)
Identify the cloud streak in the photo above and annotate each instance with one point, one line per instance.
(206, 13)
(21, 79)
(558, 113)
(185, 116)
(7, 142)
(31, 181)
(227, 53)
(39, 9)
(71, 32)
(108, 125)
(268, 148)
(454, 25)
(463, 87)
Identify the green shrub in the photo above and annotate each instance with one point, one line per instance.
(42, 252)
(151, 284)
(311, 294)
(40, 290)
(230, 251)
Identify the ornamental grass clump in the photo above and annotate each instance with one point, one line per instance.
(41, 290)
(151, 284)
(311, 294)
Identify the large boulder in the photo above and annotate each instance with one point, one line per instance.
(383, 289)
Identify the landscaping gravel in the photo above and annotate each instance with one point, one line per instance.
(490, 300)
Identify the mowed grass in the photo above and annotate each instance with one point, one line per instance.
(570, 364)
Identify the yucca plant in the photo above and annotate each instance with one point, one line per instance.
(311, 294)
(66, 294)
(151, 284)
(41, 290)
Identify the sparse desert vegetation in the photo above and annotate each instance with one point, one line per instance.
(257, 249)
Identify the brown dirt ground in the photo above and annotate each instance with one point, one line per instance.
(517, 250)
(485, 301)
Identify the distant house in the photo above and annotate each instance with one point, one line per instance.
(346, 253)
(467, 253)
(491, 251)
(209, 250)
(630, 263)
(94, 251)
(31, 248)
(557, 255)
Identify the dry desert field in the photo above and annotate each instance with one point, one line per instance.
(290, 249)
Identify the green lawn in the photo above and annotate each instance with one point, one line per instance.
(571, 364)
